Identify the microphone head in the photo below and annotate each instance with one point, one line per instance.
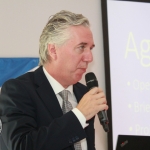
(91, 80)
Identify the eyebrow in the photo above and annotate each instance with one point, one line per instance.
(82, 43)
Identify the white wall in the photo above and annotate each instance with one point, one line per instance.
(21, 23)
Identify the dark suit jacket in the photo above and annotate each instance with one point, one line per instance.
(32, 117)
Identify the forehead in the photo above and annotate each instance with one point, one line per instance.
(81, 34)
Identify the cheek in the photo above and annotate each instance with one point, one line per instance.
(66, 64)
(75, 63)
(70, 61)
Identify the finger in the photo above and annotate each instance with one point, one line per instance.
(99, 95)
(95, 90)
(101, 101)
(103, 107)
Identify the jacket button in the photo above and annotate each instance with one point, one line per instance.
(76, 137)
(73, 139)
(70, 141)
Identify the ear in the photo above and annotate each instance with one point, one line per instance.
(52, 51)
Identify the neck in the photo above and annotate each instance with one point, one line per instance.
(52, 72)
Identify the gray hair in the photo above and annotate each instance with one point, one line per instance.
(55, 31)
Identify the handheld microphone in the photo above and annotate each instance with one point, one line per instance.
(92, 82)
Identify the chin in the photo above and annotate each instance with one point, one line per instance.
(78, 77)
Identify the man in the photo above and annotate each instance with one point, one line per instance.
(32, 106)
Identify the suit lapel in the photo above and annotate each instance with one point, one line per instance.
(47, 94)
(78, 91)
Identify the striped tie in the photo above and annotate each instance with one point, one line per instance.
(66, 106)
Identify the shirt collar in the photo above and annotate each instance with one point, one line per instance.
(57, 87)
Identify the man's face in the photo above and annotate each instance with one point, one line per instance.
(73, 57)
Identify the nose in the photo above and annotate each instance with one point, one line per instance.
(88, 56)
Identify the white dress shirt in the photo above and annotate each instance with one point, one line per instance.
(57, 87)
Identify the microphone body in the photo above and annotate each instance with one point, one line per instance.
(92, 82)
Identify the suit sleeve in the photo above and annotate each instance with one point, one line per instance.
(20, 128)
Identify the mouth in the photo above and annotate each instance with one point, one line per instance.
(83, 70)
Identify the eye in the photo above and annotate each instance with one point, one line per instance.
(82, 47)
(91, 48)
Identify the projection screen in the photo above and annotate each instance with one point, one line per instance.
(126, 31)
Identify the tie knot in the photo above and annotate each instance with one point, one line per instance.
(64, 94)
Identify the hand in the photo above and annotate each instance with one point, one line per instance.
(92, 102)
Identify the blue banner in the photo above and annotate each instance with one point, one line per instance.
(14, 67)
